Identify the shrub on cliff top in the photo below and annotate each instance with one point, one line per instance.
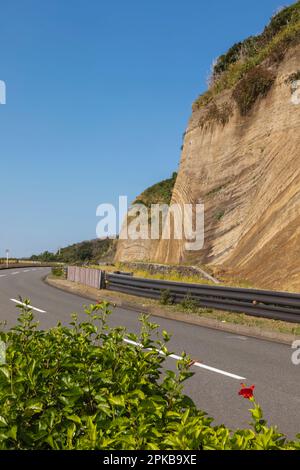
(159, 193)
(256, 83)
(252, 45)
(84, 387)
(271, 46)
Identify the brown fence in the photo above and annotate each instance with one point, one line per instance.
(86, 276)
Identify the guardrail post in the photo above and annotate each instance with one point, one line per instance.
(102, 280)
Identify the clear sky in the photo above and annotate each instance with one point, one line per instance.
(98, 96)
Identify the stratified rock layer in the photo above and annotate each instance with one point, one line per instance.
(247, 172)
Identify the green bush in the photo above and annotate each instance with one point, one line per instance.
(242, 49)
(255, 84)
(219, 215)
(251, 46)
(83, 252)
(159, 193)
(166, 297)
(84, 387)
(189, 303)
(281, 20)
(57, 271)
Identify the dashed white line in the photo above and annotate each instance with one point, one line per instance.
(29, 306)
(2, 275)
(13, 274)
(196, 364)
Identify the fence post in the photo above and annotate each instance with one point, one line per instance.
(102, 280)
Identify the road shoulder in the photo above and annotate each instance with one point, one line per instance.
(152, 308)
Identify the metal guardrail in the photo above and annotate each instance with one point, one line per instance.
(259, 303)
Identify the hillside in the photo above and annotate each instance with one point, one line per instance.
(159, 193)
(91, 251)
(241, 158)
(141, 250)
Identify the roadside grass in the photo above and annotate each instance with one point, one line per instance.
(243, 319)
(263, 324)
(55, 276)
(177, 277)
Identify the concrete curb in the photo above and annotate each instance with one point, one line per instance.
(241, 330)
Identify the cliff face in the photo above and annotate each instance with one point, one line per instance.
(247, 172)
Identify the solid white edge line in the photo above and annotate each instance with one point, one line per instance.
(196, 364)
(219, 371)
(29, 306)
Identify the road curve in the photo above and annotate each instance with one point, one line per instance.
(224, 359)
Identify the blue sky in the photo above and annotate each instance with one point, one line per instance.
(98, 96)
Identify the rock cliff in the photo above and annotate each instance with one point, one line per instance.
(241, 157)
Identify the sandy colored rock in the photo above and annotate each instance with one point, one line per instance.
(247, 173)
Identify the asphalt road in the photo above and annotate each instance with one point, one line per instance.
(227, 359)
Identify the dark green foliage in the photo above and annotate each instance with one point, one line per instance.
(235, 53)
(219, 215)
(83, 387)
(256, 83)
(44, 257)
(57, 271)
(159, 193)
(279, 21)
(251, 46)
(166, 297)
(268, 49)
(189, 303)
(84, 252)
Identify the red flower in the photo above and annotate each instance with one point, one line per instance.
(247, 392)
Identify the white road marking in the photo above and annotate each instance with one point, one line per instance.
(2, 275)
(196, 364)
(26, 271)
(13, 274)
(29, 306)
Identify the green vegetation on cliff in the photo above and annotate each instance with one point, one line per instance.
(268, 48)
(159, 193)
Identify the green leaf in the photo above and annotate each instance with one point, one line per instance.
(117, 400)
(33, 407)
(3, 422)
(74, 418)
(12, 433)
